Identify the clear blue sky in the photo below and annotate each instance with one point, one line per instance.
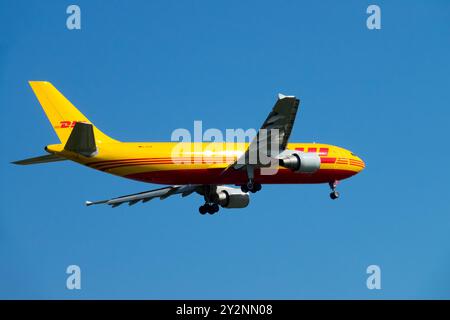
(140, 69)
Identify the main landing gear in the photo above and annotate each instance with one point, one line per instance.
(211, 205)
(251, 187)
(334, 194)
(210, 208)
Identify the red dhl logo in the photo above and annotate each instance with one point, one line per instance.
(66, 124)
(321, 151)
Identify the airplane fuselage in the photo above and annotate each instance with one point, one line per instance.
(204, 163)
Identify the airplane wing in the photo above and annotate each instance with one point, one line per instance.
(145, 196)
(282, 119)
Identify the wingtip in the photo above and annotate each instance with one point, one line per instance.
(282, 96)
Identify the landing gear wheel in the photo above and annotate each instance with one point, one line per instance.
(212, 208)
(244, 188)
(202, 209)
(334, 195)
(209, 208)
(251, 187)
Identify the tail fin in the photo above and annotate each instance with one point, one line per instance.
(61, 113)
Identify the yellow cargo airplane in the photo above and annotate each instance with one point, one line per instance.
(203, 168)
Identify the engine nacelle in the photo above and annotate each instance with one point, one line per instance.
(303, 162)
(232, 198)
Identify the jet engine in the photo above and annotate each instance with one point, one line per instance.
(303, 162)
(228, 197)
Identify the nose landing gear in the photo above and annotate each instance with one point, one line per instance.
(334, 194)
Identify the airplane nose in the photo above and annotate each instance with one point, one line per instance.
(357, 163)
(361, 163)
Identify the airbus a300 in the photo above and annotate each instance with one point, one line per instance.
(222, 175)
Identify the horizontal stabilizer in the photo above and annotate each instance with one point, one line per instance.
(40, 159)
(82, 140)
